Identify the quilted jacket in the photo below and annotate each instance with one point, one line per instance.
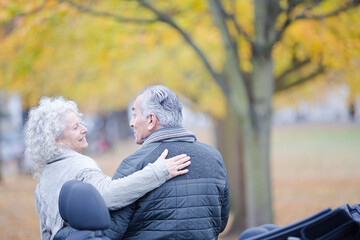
(191, 206)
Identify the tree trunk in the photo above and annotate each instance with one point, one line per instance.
(229, 143)
(245, 150)
(0, 168)
(251, 117)
(256, 124)
(257, 181)
(1, 116)
(244, 142)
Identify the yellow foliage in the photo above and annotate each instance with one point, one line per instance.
(333, 42)
(102, 63)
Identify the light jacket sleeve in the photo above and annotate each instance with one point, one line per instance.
(124, 191)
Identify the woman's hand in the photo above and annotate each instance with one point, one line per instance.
(175, 165)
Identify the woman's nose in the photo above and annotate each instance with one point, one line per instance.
(84, 129)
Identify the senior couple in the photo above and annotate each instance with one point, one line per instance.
(149, 197)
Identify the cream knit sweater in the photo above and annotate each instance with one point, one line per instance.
(116, 193)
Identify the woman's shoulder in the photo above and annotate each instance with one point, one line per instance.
(73, 160)
(75, 156)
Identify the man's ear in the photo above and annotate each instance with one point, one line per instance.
(153, 122)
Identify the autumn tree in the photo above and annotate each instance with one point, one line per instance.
(249, 50)
(249, 82)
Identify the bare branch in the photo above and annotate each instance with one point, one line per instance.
(292, 4)
(224, 29)
(10, 24)
(234, 76)
(350, 4)
(287, 72)
(239, 29)
(166, 19)
(35, 10)
(320, 70)
(288, 21)
(280, 33)
(117, 18)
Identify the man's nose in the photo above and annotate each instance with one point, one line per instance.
(131, 123)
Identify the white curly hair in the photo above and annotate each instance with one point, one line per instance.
(43, 126)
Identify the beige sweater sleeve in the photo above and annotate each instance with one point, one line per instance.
(124, 191)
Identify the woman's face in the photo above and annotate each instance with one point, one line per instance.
(74, 133)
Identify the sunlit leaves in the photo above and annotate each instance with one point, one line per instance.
(332, 42)
(103, 62)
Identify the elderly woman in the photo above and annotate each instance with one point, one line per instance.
(54, 138)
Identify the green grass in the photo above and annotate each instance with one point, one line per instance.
(314, 167)
(321, 138)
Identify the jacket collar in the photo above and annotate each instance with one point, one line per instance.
(170, 134)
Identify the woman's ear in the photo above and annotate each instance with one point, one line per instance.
(59, 140)
(153, 122)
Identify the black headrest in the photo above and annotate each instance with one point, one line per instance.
(82, 206)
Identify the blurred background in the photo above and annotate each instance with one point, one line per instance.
(274, 85)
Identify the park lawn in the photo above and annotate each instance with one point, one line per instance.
(313, 167)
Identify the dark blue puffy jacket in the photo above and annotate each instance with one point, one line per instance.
(191, 206)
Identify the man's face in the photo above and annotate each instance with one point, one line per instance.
(137, 122)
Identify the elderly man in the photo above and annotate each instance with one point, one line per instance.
(192, 206)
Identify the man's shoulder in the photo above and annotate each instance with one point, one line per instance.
(195, 148)
(136, 161)
(208, 148)
(140, 155)
(205, 145)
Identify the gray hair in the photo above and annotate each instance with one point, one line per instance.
(43, 126)
(162, 102)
